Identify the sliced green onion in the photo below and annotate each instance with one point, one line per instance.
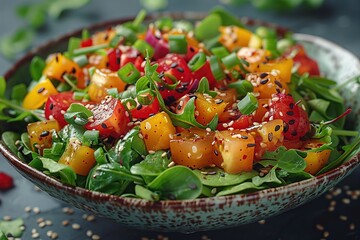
(81, 60)
(178, 43)
(127, 33)
(128, 73)
(85, 34)
(284, 44)
(270, 44)
(216, 68)
(63, 87)
(115, 41)
(167, 85)
(146, 97)
(248, 104)
(220, 51)
(91, 49)
(208, 27)
(212, 42)
(164, 23)
(197, 61)
(143, 46)
(48, 154)
(242, 87)
(80, 96)
(265, 32)
(37, 66)
(57, 148)
(112, 92)
(129, 103)
(74, 43)
(90, 137)
(139, 18)
(230, 60)
(99, 155)
(184, 25)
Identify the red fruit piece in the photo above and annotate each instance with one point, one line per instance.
(296, 121)
(6, 181)
(170, 68)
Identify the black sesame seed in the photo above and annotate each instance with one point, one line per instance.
(192, 49)
(41, 90)
(174, 65)
(291, 106)
(51, 106)
(161, 75)
(218, 101)
(57, 58)
(103, 125)
(216, 153)
(73, 70)
(244, 137)
(294, 133)
(179, 107)
(286, 128)
(251, 144)
(278, 83)
(180, 69)
(290, 113)
(139, 107)
(264, 81)
(270, 137)
(278, 90)
(222, 174)
(277, 128)
(291, 122)
(264, 75)
(178, 134)
(44, 134)
(151, 114)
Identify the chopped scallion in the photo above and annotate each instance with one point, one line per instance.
(115, 41)
(248, 104)
(220, 52)
(216, 68)
(178, 43)
(85, 34)
(242, 87)
(128, 73)
(81, 60)
(143, 46)
(230, 60)
(197, 61)
(99, 155)
(91, 49)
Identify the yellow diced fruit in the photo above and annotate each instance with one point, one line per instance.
(156, 131)
(207, 108)
(80, 158)
(233, 37)
(40, 134)
(315, 160)
(255, 41)
(271, 133)
(266, 84)
(282, 66)
(235, 151)
(253, 56)
(39, 95)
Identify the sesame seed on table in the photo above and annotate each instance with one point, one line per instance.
(334, 215)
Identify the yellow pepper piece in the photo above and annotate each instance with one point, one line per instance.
(80, 158)
(233, 37)
(40, 134)
(156, 131)
(39, 95)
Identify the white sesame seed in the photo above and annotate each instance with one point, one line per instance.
(95, 237)
(75, 226)
(262, 221)
(90, 218)
(194, 149)
(28, 209)
(343, 218)
(319, 227)
(352, 226)
(213, 191)
(35, 235)
(7, 218)
(189, 155)
(346, 200)
(147, 125)
(89, 233)
(171, 164)
(151, 151)
(48, 223)
(42, 224)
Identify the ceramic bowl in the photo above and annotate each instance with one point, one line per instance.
(207, 213)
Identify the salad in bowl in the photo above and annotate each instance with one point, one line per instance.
(176, 110)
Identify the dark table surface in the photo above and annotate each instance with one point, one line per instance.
(335, 215)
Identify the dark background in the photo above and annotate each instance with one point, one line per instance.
(338, 21)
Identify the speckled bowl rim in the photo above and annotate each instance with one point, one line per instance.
(173, 204)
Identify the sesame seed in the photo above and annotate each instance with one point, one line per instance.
(326, 234)
(7, 218)
(151, 151)
(95, 237)
(75, 226)
(352, 226)
(42, 224)
(62, 112)
(147, 125)
(343, 218)
(171, 164)
(36, 210)
(319, 227)
(213, 191)
(90, 218)
(262, 221)
(35, 235)
(346, 200)
(194, 149)
(89, 233)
